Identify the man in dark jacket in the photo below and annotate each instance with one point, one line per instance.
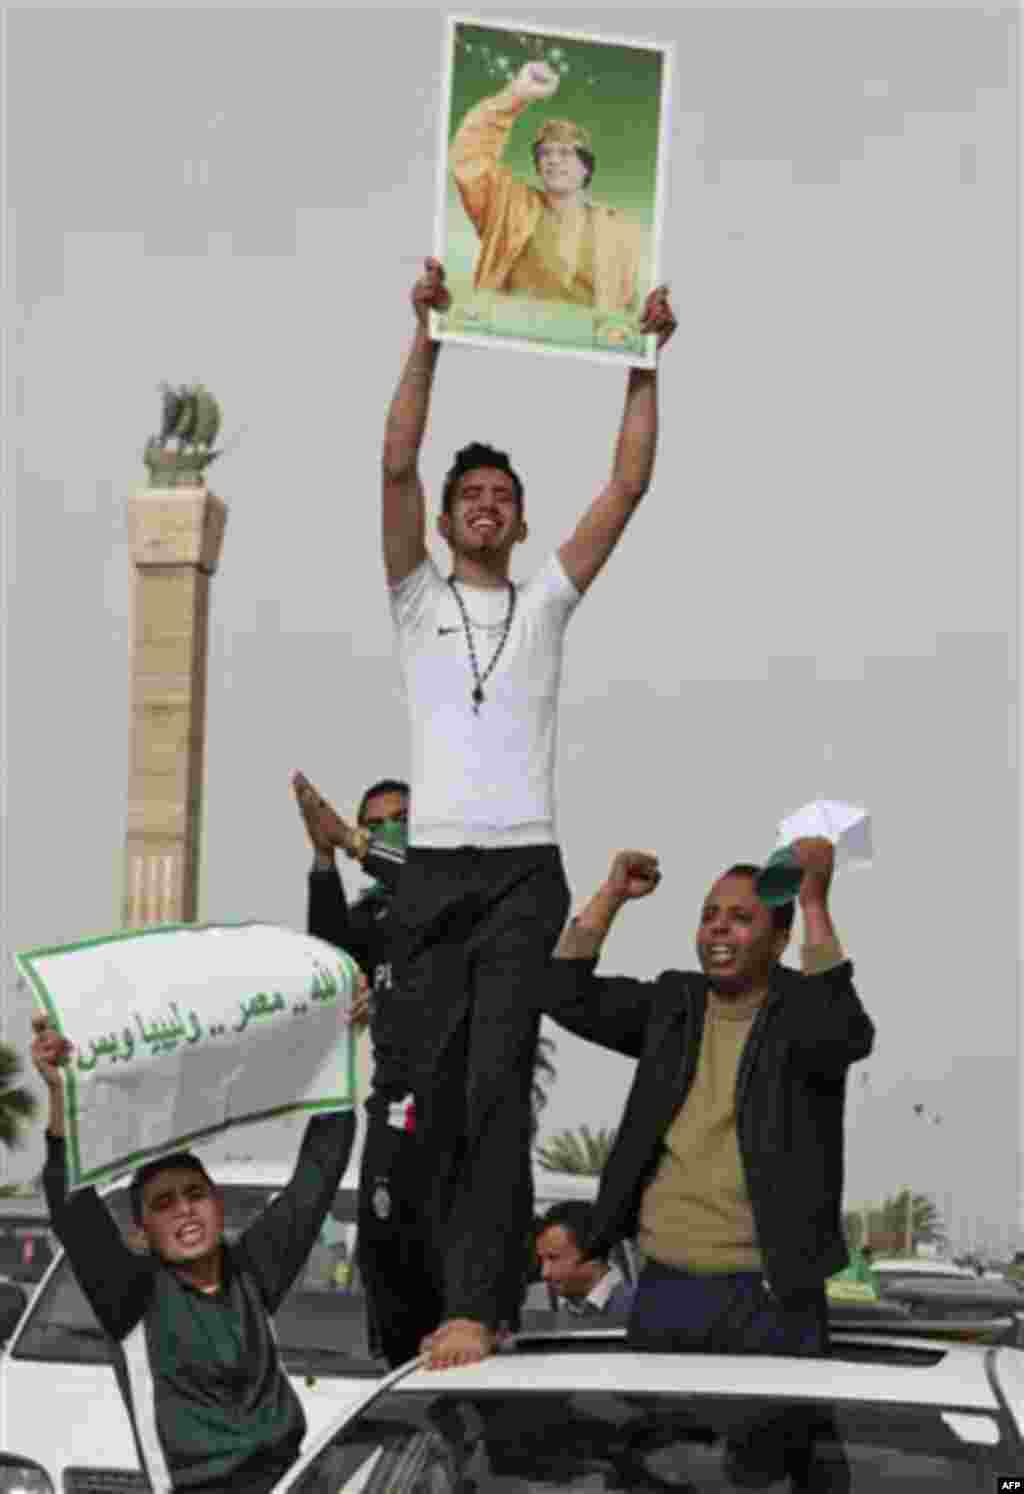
(210, 1405)
(728, 1164)
(399, 1275)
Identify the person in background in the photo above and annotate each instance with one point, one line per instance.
(586, 1285)
(393, 1242)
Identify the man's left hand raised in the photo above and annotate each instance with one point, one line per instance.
(816, 857)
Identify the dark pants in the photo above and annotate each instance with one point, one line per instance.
(401, 1277)
(676, 1312)
(473, 931)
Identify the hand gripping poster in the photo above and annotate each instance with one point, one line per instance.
(179, 1032)
(551, 184)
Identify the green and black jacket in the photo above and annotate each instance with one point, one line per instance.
(209, 1402)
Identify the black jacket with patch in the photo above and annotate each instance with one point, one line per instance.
(363, 931)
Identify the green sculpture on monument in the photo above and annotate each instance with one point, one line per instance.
(180, 454)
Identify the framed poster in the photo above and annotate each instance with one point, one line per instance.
(550, 189)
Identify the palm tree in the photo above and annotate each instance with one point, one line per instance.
(925, 1219)
(544, 1075)
(584, 1152)
(17, 1105)
(889, 1222)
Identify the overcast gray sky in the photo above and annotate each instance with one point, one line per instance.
(817, 596)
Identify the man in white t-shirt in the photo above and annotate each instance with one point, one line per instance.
(483, 897)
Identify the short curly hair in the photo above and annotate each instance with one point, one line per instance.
(478, 454)
(576, 1217)
(179, 1161)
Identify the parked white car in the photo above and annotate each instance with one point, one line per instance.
(59, 1403)
(889, 1267)
(579, 1412)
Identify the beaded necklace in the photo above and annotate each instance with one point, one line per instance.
(478, 686)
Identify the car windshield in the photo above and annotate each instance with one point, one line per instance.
(531, 1442)
(321, 1327)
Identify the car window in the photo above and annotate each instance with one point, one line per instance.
(543, 1443)
(320, 1325)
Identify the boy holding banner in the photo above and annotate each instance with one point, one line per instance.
(211, 1408)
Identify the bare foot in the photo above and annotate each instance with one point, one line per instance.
(459, 1341)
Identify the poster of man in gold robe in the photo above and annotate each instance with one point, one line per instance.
(534, 256)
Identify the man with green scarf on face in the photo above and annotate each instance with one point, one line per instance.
(403, 1302)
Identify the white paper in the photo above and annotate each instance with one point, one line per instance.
(845, 825)
(181, 1032)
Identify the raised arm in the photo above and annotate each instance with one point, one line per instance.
(479, 143)
(328, 832)
(404, 510)
(611, 1010)
(601, 527)
(116, 1281)
(829, 1027)
(279, 1241)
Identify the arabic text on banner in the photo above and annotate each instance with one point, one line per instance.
(180, 1032)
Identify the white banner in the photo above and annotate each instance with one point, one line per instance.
(180, 1032)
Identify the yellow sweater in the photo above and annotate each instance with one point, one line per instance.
(695, 1213)
(558, 262)
(506, 213)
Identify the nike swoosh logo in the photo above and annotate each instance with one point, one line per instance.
(442, 631)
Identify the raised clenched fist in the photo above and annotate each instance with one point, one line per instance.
(50, 1051)
(534, 81)
(430, 292)
(815, 855)
(633, 874)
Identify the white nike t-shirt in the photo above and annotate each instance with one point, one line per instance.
(482, 779)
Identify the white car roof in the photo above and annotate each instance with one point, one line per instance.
(956, 1378)
(549, 1187)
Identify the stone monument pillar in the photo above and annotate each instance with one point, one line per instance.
(176, 526)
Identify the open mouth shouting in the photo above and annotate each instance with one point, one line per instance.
(719, 956)
(190, 1234)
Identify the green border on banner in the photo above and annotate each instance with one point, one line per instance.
(45, 950)
(77, 1177)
